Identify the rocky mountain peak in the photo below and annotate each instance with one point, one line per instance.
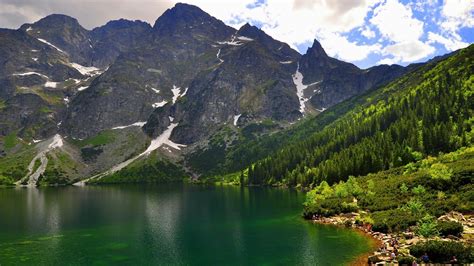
(316, 50)
(182, 16)
(124, 24)
(58, 18)
(282, 49)
(250, 31)
(55, 22)
(187, 24)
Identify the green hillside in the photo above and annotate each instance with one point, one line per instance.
(426, 112)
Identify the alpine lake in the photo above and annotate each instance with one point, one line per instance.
(172, 224)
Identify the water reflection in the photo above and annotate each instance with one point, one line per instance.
(165, 224)
(162, 214)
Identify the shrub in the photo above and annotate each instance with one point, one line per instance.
(404, 188)
(419, 190)
(450, 228)
(4, 180)
(440, 171)
(392, 220)
(415, 207)
(428, 226)
(405, 260)
(319, 193)
(366, 219)
(443, 251)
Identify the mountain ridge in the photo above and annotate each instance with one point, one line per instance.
(188, 69)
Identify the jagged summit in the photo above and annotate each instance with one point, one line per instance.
(249, 30)
(285, 52)
(184, 16)
(316, 50)
(124, 23)
(187, 21)
(54, 21)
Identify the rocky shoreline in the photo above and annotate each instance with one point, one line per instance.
(390, 246)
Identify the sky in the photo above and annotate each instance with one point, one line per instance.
(364, 32)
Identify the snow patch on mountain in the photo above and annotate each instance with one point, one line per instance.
(163, 139)
(243, 38)
(177, 93)
(235, 42)
(218, 54)
(30, 73)
(300, 88)
(44, 148)
(86, 71)
(52, 45)
(159, 104)
(236, 119)
(56, 143)
(51, 84)
(136, 124)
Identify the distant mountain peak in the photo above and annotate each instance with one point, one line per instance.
(184, 19)
(124, 23)
(53, 21)
(181, 13)
(57, 19)
(316, 50)
(250, 31)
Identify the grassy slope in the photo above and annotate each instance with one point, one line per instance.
(151, 169)
(14, 165)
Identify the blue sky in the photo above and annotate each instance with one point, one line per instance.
(364, 32)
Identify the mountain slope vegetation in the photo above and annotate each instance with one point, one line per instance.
(423, 113)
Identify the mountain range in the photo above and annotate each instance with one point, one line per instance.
(165, 101)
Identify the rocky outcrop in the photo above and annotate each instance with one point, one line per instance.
(335, 81)
(395, 243)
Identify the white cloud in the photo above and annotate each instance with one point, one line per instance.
(450, 44)
(367, 33)
(12, 16)
(337, 45)
(300, 21)
(396, 23)
(90, 13)
(423, 5)
(408, 51)
(398, 26)
(386, 61)
(457, 13)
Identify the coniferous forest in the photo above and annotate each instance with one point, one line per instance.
(427, 112)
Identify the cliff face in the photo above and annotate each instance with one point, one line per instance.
(189, 68)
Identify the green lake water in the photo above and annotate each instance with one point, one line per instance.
(166, 225)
